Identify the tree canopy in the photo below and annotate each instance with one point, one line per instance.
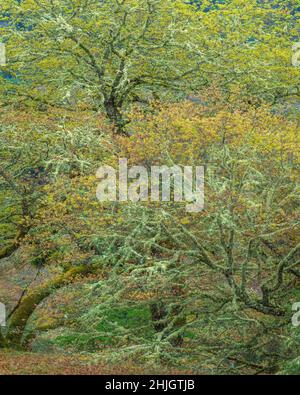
(148, 285)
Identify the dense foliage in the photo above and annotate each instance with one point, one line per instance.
(158, 82)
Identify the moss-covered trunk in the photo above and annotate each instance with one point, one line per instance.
(18, 321)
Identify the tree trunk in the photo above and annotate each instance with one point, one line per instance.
(162, 315)
(7, 251)
(158, 315)
(19, 319)
(115, 116)
(161, 318)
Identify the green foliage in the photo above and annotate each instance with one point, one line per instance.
(210, 292)
(110, 54)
